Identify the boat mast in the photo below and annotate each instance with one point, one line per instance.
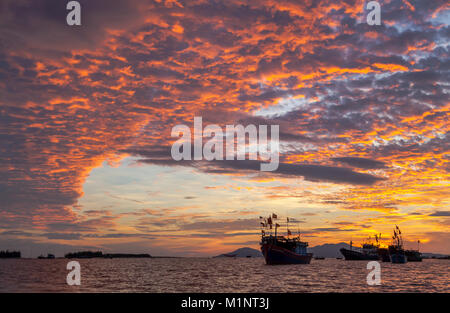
(274, 217)
(287, 226)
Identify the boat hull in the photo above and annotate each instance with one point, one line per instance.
(353, 255)
(413, 256)
(384, 254)
(398, 258)
(275, 255)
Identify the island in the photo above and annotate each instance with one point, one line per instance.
(99, 254)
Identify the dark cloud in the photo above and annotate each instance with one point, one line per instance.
(222, 225)
(361, 162)
(440, 213)
(63, 236)
(330, 229)
(309, 172)
(42, 24)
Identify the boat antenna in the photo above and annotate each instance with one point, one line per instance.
(287, 226)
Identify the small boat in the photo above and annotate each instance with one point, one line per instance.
(368, 251)
(49, 256)
(319, 258)
(413, 256)
(282, 249)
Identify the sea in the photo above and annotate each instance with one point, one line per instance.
(205, 275)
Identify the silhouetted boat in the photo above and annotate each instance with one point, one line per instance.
(368, 251)
(49, 256)
(413, 256)
(319, 258)
(396, 251)
(280, 249)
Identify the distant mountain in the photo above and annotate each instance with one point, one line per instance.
(328, 250)
(242, 253)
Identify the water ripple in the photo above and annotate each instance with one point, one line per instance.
(220, 275)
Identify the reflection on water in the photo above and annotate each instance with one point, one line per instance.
(220, 275)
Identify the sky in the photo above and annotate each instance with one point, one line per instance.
(86, 114)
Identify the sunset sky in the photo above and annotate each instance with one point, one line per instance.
(86, 114)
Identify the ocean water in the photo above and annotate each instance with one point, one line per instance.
(220, 275)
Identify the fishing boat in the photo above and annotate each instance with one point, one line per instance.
(414, 255)
(49, 256)
(278, 249)
(368, 251)
(396, 251)
(384, 254)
